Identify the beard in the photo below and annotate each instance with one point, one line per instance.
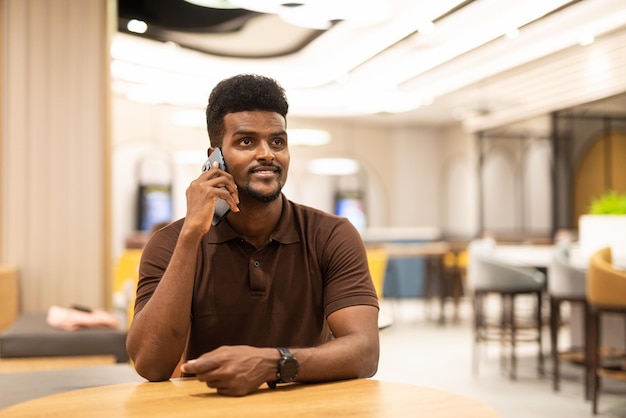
(264, 198)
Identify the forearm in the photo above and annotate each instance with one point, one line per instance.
(343, 358)
(353, 353)
(158, 334)
(240, 370)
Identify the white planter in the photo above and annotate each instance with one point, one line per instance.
(598, 231)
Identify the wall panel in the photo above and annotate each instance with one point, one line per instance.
(55, 159)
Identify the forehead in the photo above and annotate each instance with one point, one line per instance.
(256, 120)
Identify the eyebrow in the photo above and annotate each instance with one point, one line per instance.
(254, 133)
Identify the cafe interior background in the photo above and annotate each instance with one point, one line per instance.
(426, 121)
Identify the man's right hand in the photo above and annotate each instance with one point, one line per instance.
(202, 194)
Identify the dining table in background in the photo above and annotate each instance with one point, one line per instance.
(190, 398)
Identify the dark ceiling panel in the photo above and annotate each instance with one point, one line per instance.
(180, 15)
(202, 28)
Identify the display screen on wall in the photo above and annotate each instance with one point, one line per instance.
(154, 206)
(350, 205)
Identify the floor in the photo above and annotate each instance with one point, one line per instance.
(417, 349)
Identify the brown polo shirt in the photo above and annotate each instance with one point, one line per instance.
(278, 295)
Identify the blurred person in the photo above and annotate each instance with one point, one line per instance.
(276, 291)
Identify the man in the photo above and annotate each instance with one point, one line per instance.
(271, 274)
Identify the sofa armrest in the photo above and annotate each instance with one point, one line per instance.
(9, 299)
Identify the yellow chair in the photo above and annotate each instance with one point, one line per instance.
(606, 294)
(455, 269)
(377, 261)
(125, 282)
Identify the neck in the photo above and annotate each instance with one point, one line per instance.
(256, 220)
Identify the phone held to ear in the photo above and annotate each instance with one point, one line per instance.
(221, 207)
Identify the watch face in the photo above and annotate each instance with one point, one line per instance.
(289, 369)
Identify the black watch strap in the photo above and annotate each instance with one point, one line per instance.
(287, 368)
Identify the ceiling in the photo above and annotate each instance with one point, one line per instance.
(417, 61)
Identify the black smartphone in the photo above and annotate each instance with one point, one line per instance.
(221, 207)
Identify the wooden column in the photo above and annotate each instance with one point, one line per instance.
(54, 145)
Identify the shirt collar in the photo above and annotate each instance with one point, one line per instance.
(285, 232)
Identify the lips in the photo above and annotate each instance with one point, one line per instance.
(265, 169)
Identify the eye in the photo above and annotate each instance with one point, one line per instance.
(245, 141)
(278, 142)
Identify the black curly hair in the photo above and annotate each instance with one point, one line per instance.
(241, 93)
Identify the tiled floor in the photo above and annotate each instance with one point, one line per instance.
(415, 349)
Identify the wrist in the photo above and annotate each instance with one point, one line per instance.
(287, 368)
(191, 234)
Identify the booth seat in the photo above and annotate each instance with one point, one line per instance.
(404, 278)
(29, 335)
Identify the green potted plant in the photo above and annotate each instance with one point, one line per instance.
(610, 203)
(604, 225)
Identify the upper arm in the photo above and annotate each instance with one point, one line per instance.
(356, 332)
(347, 280)
(358, 321)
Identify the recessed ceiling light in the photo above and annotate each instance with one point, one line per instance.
(512, 33)
(586, 40)
(425, 27)
(308, 137)
(333, 166)
(215, 4)
(137, 26)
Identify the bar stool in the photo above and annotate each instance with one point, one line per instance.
(567, 283)
(489, 276)
(606, 293)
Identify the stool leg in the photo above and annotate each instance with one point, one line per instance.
(513, 371)
(592, 373)
(504, 329)
(437, 264)
(555, 307)
(540, 333)
(585, 348)
(478, 321)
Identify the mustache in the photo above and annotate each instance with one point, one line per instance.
(265, 167)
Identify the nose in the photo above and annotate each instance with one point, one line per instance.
(264, 152)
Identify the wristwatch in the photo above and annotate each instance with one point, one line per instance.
(287, 369)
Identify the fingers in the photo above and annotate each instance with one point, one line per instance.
(220, 378)
(223, 180)
(208, 371)
(189, 367)
(199, 366)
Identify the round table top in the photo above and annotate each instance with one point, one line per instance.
(190, 398)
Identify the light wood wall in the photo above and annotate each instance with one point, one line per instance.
(55, 150)
(602, 168)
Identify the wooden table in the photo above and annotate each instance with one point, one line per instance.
(189, 398)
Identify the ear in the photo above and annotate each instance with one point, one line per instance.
(209, 151)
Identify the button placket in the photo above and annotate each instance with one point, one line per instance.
(257, 281)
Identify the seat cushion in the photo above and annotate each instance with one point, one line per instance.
(31, 336)
(565, 279)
